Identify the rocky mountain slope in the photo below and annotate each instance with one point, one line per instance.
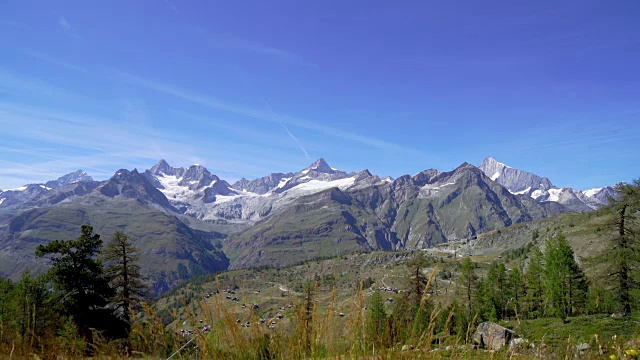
(409, 213)
(542, 190)
(188, 221)
(171, 249)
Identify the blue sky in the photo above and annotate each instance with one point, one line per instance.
(248, 88)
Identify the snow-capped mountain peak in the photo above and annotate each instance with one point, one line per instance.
(71, 178)
(162, 167)
(520, 182)
(516, 181)
(321, 166)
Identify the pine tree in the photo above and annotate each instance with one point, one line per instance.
(78, 275)
(622, 257)
(123, 272)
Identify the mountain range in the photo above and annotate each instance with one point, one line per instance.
(188, 221)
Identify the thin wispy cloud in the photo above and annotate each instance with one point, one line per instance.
(31, 170)
(17, 84)
(291, 121)
(231, 42)
(121, 144)
(295, 139)
(66, 26)
(172, 6)
(52, 60)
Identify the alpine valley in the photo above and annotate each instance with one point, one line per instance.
(188, 221)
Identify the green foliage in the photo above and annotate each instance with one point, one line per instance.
(468, 282)
(565, 283)
(417, 280)
(534, 282)
(535, 235)
(72, 343)
(366, 283)
(377, 321)
(183, 273)
(622, 257)
(78, 275)
(515, 293)
(496, 292)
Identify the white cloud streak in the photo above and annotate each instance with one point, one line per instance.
(67, 141)
(295, 139)
(243, 45)
(172, 6)
(261, 115)
(66, 26)
(52, 60)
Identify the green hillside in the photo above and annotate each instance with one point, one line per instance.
(164, 241)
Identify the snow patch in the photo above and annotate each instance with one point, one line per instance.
(226, 198)
(172, 190)
(175, 192)
(317, 185)
(495, 176)
(589, 193)
(554, 194)
(537, 193)
(21, 188)
(44, 187)
(1, 201)
(523, 191)
(283, 182)
(436, 187)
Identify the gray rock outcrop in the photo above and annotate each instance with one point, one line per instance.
(493, 336)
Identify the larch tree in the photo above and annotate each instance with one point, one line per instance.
(516, 291)
(123, 272)
(377, 320)
(534, 283)
(468, 281)
(565, 283)
(622, 256)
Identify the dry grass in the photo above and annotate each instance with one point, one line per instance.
(312, 328)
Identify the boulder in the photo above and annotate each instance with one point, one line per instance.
(493, 336)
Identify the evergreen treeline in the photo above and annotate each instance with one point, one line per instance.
(86, 297)
(551, 283)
